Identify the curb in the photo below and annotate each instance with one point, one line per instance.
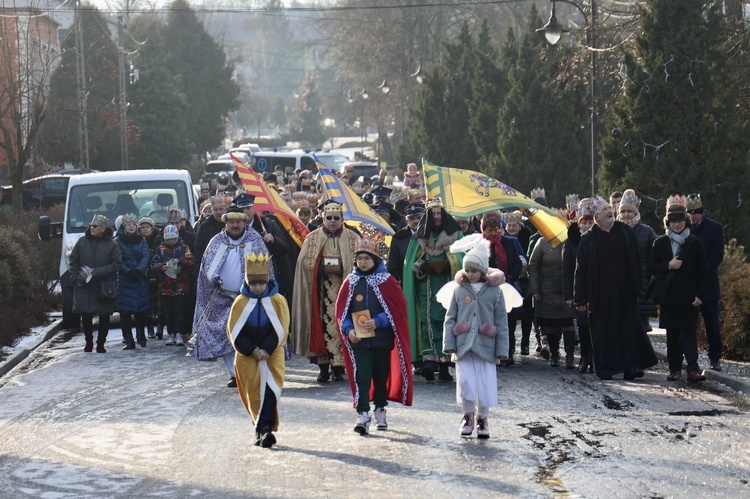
(20, 355)
(736, 384)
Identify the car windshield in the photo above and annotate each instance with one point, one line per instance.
(219, 167)
(144, 198)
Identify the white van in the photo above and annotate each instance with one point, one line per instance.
(145, 193)
(294, 161)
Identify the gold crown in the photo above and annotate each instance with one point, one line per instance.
(514, 217)
(434, 203)
(256, 266)
(333, 207)
(368, 245)
(694, 202)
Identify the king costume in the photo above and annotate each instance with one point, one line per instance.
(259, 321)
(220, 281)
(314, 329)
(356, 294)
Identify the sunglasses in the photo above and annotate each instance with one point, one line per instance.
(333, 218)
(130, 224)
(95, 226)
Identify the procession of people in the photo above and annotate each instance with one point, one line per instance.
(237, 287)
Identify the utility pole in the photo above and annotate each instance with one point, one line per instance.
(83, 130)
(123, 97)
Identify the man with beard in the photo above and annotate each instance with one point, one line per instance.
(220, 279)
(607, 283)
(326, 256)
(429, 265)
(401, 239)
(209, 228)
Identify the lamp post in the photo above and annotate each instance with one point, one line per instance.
(552, 32)
(364, 96)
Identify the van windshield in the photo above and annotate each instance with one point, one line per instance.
(333, 161)
(144, 198)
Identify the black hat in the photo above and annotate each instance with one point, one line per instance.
(414, 210)
(230, 188)
(383, 192)
(244, 200)
(382, 207)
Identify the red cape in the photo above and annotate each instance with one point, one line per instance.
(399, 387)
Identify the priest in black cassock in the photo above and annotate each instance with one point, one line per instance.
(607, 284)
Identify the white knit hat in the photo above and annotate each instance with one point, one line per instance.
(478, 257)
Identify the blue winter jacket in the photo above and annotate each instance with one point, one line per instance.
(133, 293)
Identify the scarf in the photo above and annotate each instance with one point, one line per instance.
(678, 240)
(501, 260)
(633, 221)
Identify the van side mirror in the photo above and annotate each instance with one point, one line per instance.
(48, 230)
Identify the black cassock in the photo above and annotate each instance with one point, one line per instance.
(608, 279)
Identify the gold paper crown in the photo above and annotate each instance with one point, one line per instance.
(538, 192)
(629, 197)
(333, 207)
(676, 200)
(694, 202)
(571, 201)
(368, 245)
(434, 203)
(514, 217)
(256, 266)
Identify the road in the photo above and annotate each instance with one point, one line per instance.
(156, 423)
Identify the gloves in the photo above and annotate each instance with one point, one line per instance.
(426, 268)
(135, 275)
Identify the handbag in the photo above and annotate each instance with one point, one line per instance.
(656, 289)
(107, 291)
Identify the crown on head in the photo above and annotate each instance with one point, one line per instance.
(256, 266)
(538, 192)
(694, 202)
(571, 201)
(434, 203)
(368, 245)
(630, 197)
(514, 217)
(333, 207)
(676, 199)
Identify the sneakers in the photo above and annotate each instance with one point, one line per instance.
(483, 429)
(380, 421)
(363, 423)
(178, 340)
(170, 340)
(467, 424)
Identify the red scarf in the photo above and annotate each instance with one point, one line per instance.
(501, 260)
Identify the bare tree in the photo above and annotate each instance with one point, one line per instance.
(28, 51)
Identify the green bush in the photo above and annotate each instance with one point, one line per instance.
(29, 270)
(734, 278)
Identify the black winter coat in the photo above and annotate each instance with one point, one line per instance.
(686, 283)
(645, 236)
(711, 233)
(397, 253)
(103, 255)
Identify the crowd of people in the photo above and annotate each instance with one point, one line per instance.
(234, 286)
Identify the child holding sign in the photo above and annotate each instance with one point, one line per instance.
(372, 318)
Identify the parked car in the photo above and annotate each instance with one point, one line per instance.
(215, 168)
(366, 169)
(43, 191)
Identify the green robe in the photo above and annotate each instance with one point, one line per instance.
(427, 336)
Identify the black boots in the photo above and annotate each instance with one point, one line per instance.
(325, 373)
(428, 370)
(444, 374)
(140, 336)
(553, 341)
(569, 339)
(338, 373)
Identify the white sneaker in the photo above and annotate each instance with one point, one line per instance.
(483, 429)
(178, 340)
(363, 423)
(170, 339)
(467, 424)
(380, 422)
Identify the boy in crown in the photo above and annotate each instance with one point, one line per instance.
(258, 327)
(372, 317)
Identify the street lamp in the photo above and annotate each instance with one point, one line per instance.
(364, 96)
(553, 31)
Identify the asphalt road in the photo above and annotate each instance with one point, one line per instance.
(153, 422)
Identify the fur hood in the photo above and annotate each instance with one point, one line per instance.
(495, 277)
